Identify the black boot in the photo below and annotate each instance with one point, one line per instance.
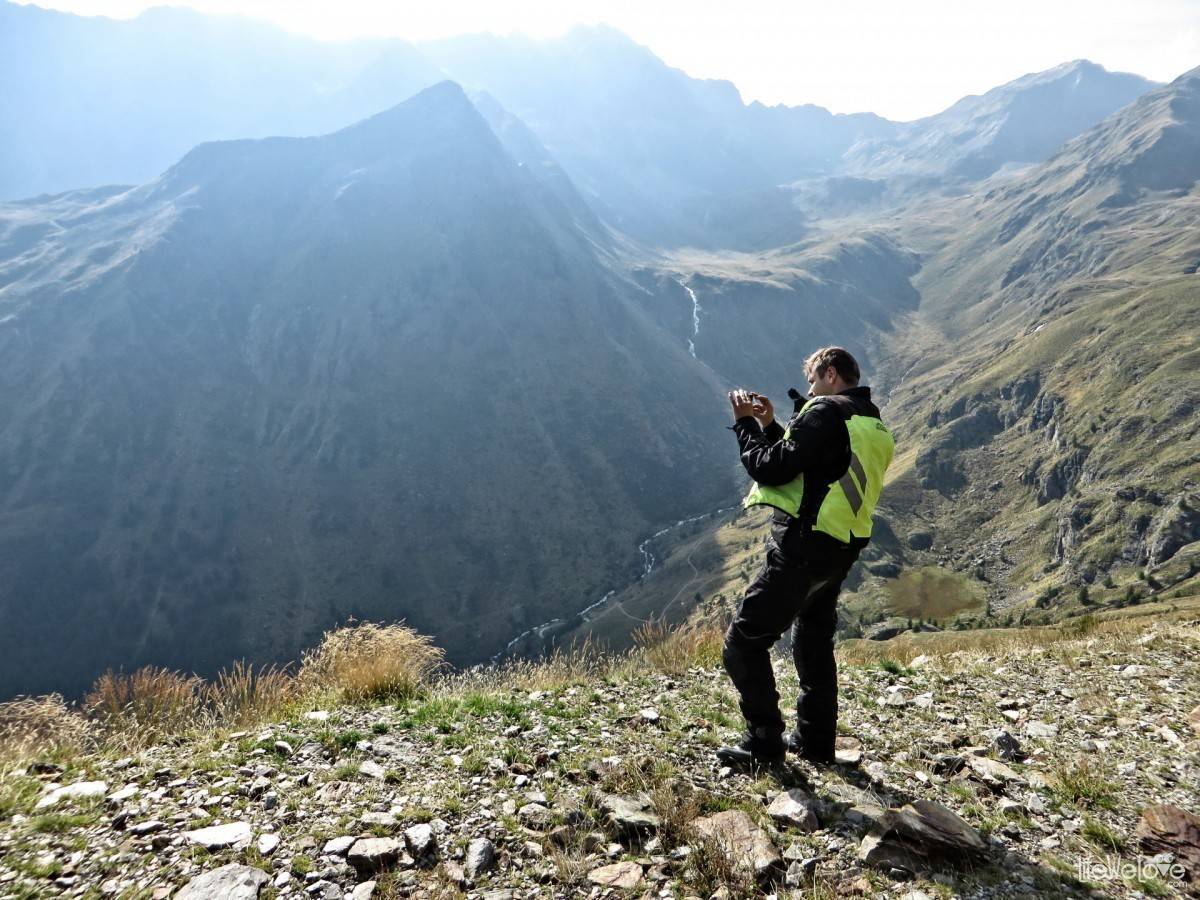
(796, 744)
(760, 747)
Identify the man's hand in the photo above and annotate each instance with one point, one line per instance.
(742, 402)
(763, 410)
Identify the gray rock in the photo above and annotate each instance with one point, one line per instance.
(218, 837)
(481, 856)
(629, 815)
(363, 891)
(338, 846)
(794, 808)
(372, 769)
(934, 828)
(744, 844)
(421, 843)
(885, 852)
(535, 816)
(624, 875)
(231, 882)
(81, 790)
(370, 855)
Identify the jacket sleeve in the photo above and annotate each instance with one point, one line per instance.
(776, 462)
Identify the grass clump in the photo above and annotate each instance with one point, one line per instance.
(1082, 783)
(31, 726)
(675, 650)
(243, 696)
(147, 705)
(367, 661)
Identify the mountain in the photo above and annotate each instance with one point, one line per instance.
(1071, 310)
(662, 156)
(1023, 121)
(1039, 367)
(385, 373)
(139, 94)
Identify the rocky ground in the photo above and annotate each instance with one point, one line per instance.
(1068, 769)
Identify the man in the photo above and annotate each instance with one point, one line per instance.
(822, 474)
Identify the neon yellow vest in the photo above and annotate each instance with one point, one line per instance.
(847, 509)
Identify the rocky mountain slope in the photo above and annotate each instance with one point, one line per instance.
(1058, 413)
(1054, 762)
(386, 373)
(1023, 121)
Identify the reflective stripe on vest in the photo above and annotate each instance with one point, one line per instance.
(847, 509)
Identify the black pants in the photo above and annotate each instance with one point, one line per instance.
(797, 587)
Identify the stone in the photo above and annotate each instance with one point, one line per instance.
(884, 852)
(317, 715)
(1194, 719)
(372, 769)
(148, 827)
(421, 843)
(231, 882)
(629, 815)
(535, 816)
(745, 845)
(649, 715)
(481, 856)
(82, 790)
(796, 809)
(370, 820)
(338, 846)
(324, 889)
(370, 855)
(363, 891)
(933, 827)
(1037, 729)
(218, 837)
(267, 844)
(993, 773)
(116, 798)
(1165, 828)
(1007, 746)
(847, 750)
(625, 875)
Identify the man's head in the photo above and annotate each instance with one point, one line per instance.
(830, 370)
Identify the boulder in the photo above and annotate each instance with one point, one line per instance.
(1165, 828)
(231, 882)
(421, 843)
(481, 856)
(82, 790)
(796, 809)
(744, 844)
(625, 875)
(933, 828)
(370, 855)
(629, 815)
(218, 837)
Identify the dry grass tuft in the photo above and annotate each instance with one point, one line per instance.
(146, 706)
(371, 662)
(32, 726)
(243, 696)
(675, 650)
(581, 663)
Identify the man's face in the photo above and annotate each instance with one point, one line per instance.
(822, 382)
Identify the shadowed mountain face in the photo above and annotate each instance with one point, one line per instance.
(1024, 121)
(384, 373)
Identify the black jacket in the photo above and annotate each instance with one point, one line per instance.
(817, 447)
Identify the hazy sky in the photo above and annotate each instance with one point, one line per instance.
(900, 59)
